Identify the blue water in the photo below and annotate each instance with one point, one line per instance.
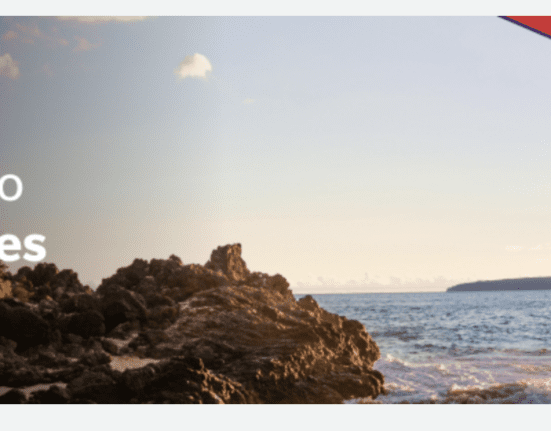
(490, 347)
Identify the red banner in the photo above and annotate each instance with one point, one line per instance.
(538, 24)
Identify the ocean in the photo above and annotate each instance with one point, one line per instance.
(462, 347)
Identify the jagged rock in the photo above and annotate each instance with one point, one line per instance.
(93, 358)
(93, 386)
(162, 317)
(14, 396)
(79, 303)
(120, 305)
(23, 326)
(90, 323)
(228, 260)
(222, 333)
(54, 395)
(186, 380)
(5, 283)
(49, 309)
(109, 346)
(5, 288)
(49, 358)
(190, 279)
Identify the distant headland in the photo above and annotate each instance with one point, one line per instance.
(534, 283)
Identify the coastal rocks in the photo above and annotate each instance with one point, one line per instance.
(228, 260)
(94, 386)
(88, 324)
(23, 326)
(119, 305)
(54, 395)
(216, 333)
(5, 282)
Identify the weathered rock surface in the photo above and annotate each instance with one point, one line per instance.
(216, 333)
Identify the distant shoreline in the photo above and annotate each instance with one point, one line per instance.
(533, 283)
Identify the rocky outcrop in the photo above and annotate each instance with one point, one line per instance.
(216, 333)
(5, 282)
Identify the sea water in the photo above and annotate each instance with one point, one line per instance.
(462, 347)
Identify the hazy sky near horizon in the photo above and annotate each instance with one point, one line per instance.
(347, 154)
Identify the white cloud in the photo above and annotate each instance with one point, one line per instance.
(83, 45)
(195, 66)
(514, 247)
(8, 67)
(248, 101)
(101, 19)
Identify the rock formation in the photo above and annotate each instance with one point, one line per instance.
(165, 332)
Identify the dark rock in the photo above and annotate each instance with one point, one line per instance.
(224, 334)
(49, 358)
(49, 309)
(94, 358)
(186, 380)
(162, 317)
(81, 303)
(94, 386)
(109, 346)
(187, 280)
(41, 292)
(90, 323)
(158, 300)
(23, 326)
(14, 396)
(119, 305)
(54, 395)
(124, 330)
(42, 274)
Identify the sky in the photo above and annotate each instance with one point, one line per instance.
(349, 154)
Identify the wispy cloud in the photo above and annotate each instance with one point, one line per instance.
(194, 66)
(9, 35)
(26, 34)
(9, 67)
(102, 19)
(83, 45)
(514, 248)
(248, 101)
